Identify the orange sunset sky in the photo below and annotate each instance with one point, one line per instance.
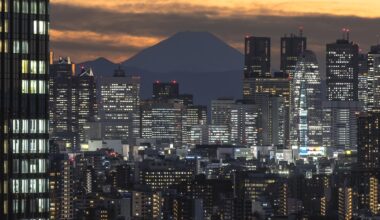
(118, 29)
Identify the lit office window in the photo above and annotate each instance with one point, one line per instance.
(20, 46)
(32, 185)
(42, 67)
(41, 87)
(42, 205)
(33, 67)
(4, 27)
(16, 6)
(40, 27)
(4, 46)
(24, 66)
(15, 146)
(5, 8)
(42, 185)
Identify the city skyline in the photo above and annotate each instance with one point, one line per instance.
(120, 29)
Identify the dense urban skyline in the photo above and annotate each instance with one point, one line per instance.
(119, 29)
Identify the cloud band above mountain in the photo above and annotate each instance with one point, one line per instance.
(120, 29)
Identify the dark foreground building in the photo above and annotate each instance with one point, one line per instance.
(24, 109)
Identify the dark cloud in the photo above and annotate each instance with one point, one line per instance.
(320, 29)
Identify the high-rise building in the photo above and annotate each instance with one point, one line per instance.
(87, 105)
(291, 49)
(72, 103)
(306, 112)
(342, 70)
(245, 124)
(340, 125)
(373, 80)
(162, 120)
(193, 116)
(267, 90)
(368, 139)
(165, 90)
(119, 106)
(24, 115)
(257, 57)
(256, 64)
(363, 80)
(63, 100)
(221, 111)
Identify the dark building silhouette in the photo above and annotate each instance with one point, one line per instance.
(165, 90)
(291, 48)
(24, 58)
(257, 57)
(342, 69)
(72, 103)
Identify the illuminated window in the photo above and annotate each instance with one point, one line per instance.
(41, 87)
(4, 46)
(4, 27)
(25, 7)
(42, 67)
(25, 86)
(33, 67)
(20, 47)
(16, 6)
(40, 27)
(33, 86)
(5, 8)
(24, 66)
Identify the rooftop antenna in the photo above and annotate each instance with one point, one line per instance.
(348, 34)
(300, 31)
(343, 33)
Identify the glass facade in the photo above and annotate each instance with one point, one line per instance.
(24, 54)
(306, 111)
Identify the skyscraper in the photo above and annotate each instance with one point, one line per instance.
(24, 112)
(257, 57)
(63, 104)
(373, 81)
(165, 90)
(119, 105)
(368, 139)
(87, 105)
(306, 112)
(72, 103)
(342, 70)
(291, 48)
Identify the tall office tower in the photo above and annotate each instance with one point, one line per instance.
(257, 57)
(277, 87)
(368, 141)
(306, 112)
(119, 105)
(24, 57)
(346, 206)
(363, 80)
(165, 90)
(256, 64)
(221, 111)
(291, 48)
(193, 116)
(340, 125)
(87, 106)
(342, 70)
(273, 118)
(245, 124)
(63, 104)
(373, 80)
(61, 185)
(162, 120)
(72, 103)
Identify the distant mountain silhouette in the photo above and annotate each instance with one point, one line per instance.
(101, 66)
(188, 52)
(203, 64)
